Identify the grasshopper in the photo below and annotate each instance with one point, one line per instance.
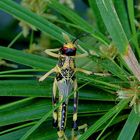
(65, 81)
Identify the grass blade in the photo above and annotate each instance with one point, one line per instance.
(130, 126)
(104, 118)
(15, 135)
(15, 39)
(96, 12)
(34, 108)
(118, 35)
(73, 17)
(113, 24)
(122, 14)
(25, 58)
(130, 6)
(40, 23)
(33, 88)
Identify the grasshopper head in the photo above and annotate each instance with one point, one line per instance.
(68, 49)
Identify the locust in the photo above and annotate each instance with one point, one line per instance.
(65, 82)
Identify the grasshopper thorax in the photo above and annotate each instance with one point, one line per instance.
(68, 49)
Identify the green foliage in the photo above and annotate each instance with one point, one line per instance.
(103, 97)
(130, 126)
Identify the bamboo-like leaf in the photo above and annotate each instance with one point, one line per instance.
(104, 118)
(113, 24)
(96, 12)
(46, 132)
(130, 126)
(118, 35)
(35, 108)
(45, 26)
(24, 14)
(118, 119)
(25, 58)
(122, 14)
(114, 68)
(73, 17)
(14, 135)
(39, 22)
(33, 88)
(105, 83)
(130, 5)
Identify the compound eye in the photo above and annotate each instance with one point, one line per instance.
(64, 48)
(74, 49)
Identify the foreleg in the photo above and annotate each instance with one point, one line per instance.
(51, 52)
(47, 74)
(84, 54)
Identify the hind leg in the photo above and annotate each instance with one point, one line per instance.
(62, 118)
(55, 121)
(75, 106)
(75, 109)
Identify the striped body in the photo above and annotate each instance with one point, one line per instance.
(65, 79)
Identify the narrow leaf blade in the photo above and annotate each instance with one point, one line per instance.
(130, 126)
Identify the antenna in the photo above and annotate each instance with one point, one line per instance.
(80, 36)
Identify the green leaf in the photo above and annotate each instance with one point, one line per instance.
(24, 110)
(113, 24)
(15, 135)
(73, 17)
(118, 35)
(102, 82)
(17, 127)
(111, 66)
(98, 18)
(35, 108)
(127, 20)
(45, 132)
(34, 88)
(130, 126)
(117, 120)
(104, 118)
(122, 14)
(130, 5)
(40, 23)
(25, 58)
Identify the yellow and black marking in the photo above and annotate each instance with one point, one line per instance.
(65, 82)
